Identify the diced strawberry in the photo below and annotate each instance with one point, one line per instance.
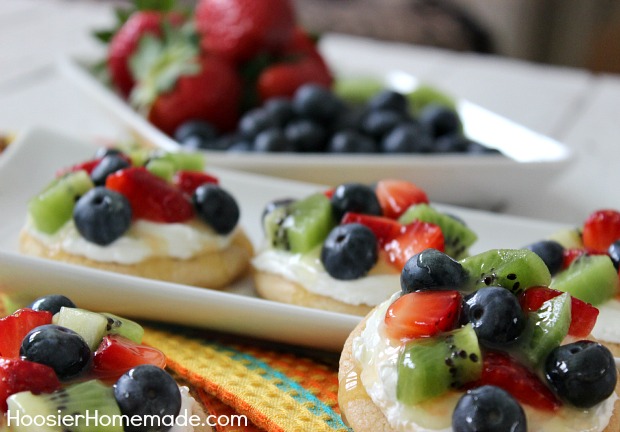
(116, 355)
(329, 193)
(601, 229)
(503, 371)
(87, 166)
(414, 238)
(570, 255)
(583, 315)
(13, 329)
(396, 196)
(17, 375)
(423, 314)
(188, 181)
(151, 197)
(385, 229)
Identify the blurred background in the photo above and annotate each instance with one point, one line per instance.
(577, 33)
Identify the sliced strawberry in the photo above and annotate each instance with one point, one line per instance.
(385, 229)
(503, 371)
(600, 230)
(87, 166)
(329, 193)
(14, 328)
(423, 314)
(116, 355)
(396, 196)
(188, 181)
(17, 375)
(414, 238)
(570, 255)
(583, 315)
(151, 197)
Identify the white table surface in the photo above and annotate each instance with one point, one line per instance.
(573, 106)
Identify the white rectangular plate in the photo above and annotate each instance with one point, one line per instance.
(30, 163)
(487, 181)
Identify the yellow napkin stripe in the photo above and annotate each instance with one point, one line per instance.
(248, 385)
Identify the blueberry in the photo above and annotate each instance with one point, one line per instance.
(51, 303)
(102, 215)
(280, 109)
(407, 138)
(58, 347)
(147, 392)
(355, 197)
(316, 102)
(306, 135)
(495, 314)
(390, 100)
(350, 141)
(350, 118)
(614, 253)
(440, 120)
(105, 151)
(241, 146)
(451, 143)
(216, 207)
(109, 164)
(476, 148)
(551, 252)
(196, 134)
(255, 121)
(349, 251)
(582, 373)
(377, 123)
(272, 140)
(488, 409)
(431, 269)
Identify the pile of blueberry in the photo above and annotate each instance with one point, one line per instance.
(316, 120)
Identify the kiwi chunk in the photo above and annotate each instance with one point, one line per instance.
(69, 408)
(569, 238)
(90, 325)
(185, 161)
(162, 168)
(300, 226)
(545, 329)
(457, 236)
(53, 207)
(425, 95)
(123, 327)
(357, 90)
(513, 269)
(429, 367)
(591, 278)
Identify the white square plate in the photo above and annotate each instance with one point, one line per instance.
(483, 181)
(30, 163)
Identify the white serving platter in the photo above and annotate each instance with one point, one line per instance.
(30, 163)
(484, 181)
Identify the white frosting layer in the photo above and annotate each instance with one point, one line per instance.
(378, 356)
(307, 271)
(607, 326)
(143, 240)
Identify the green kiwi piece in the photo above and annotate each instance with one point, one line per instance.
(13, 301)
(300, 226)
(139, 156)
(457, 236)
(53, 207)
(185, 161)
(90, 325)
(68, 407)
(428, 367)
(591, 278)
(545, 329)
(513, 269)
(357, 90)
(425, 95)
(162, 168)
(123, 327)
(569, 238)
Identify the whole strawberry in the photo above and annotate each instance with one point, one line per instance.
(240, 29)
(177, 84)
(125, 42)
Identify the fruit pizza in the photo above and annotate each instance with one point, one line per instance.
(343, 250)
(65, 368)
(479, 344)
(149, 214)
(584, 261)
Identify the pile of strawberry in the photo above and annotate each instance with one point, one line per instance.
(212, 63)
